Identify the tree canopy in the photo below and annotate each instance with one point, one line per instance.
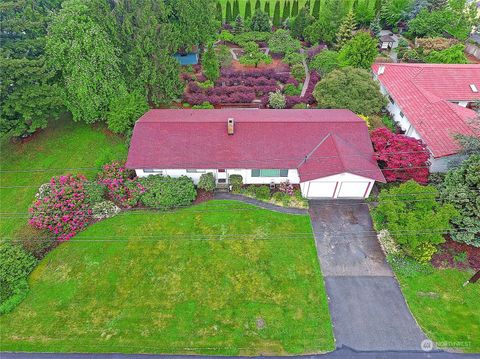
(360, 51)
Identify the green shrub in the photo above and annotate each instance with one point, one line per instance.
(164, 192)
(298, 72)
(207, 182)
(204, 106)
(124, 110)
(237, 182)
(262, 192)
(291, 90)
(325, 61)
(15, 265)
(300, 106)
(257, 36)
(293, 58)
(282, 198)
(208, 84)
(277, 100)
(95, 192)
(389, 123)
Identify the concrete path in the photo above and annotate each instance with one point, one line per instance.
(366, 304)
(307, 75)
(257, 203)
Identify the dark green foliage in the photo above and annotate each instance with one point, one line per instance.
(281, 42)
(301, 22)
(375, 26)
(236, 9)
(298, 72)
(29, 94)
(228, 16)
(262, 192)
(461, 188)
(15, 265)
(350, 88)
(207, 182)
(164, 192)
(257, 5)
(316, 9)
(470, 144)
(360, 51)
(266, 9)
(410, 208)
(286, 10)
(364, 12)
(260, 21)
(210, 64)
(125, 109)
(95, 192)
(294, 8)
(219, 12)
(292, 90)
(238, 26)
(394, 11)
(326, 27)
(248, 10)
(324, 62)
(249, 36)
(276, 15)
(236, 181)
(292, 58)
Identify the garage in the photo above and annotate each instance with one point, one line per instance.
(321, 189)
(353, 189)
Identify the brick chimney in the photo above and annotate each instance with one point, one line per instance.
(230, 126)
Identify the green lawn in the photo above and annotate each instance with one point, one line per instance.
(118, 287)
(63, 145)
(447, 312)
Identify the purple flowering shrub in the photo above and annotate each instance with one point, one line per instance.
(287, 188)
(63, 209)
(123, 187)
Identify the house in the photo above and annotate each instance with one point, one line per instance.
(432, 102)
(327, 152)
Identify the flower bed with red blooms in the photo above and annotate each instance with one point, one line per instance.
(64, 210)
(400, 157)
(122, 185)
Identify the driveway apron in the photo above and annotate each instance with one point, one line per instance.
(366, 304)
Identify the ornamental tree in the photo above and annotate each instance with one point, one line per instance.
(401, 157)
(301, 22)
(325, 62)
(260, 21)
(282, 42)
(461, 188)
(253, 55)
(413, 216)
(349, 88)
(210, 64)
(347, 27)
(360, 51)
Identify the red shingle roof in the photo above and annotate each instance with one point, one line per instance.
(423, 92)
(317, 142)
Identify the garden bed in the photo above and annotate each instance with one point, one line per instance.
(452, 254)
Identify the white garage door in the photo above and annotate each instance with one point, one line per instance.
(321, 189)
(352, 189)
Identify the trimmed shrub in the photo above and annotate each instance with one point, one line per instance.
(66, 210)
(204, 106)
(236, 181)
(207, 182)
(277, 100)
(105, 209)
(262, 192)
(165, 192)
(291, 90)
(298, 72)
(293, 58)
(300, 106)
(95, 192)
(325, 62)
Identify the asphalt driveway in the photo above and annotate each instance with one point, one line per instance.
(367, 306)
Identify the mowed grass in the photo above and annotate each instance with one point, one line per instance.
(217, 278)
(448, 312)
(63, 144)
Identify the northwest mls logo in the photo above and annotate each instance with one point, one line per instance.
(426, 345)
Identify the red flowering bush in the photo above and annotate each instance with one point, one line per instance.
(63, 209)
(122, 185)
(401, 157)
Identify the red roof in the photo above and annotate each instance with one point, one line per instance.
(317, 142)
(424, 93)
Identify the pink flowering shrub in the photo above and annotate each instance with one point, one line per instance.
(122, 185)
(286, 187)
(64, 209)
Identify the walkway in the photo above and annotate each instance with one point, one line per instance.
(307, 75)
(257, 203)
(366, 304)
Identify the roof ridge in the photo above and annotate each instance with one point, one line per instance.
(329, 134)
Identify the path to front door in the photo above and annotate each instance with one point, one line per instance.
(366, 304)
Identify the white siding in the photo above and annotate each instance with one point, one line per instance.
(354, 186)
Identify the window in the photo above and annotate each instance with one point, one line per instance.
(391, 100)
(401, 114)
(270, 173)
(196, 171)
(151, 170)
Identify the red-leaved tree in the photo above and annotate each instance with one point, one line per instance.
(400, 157)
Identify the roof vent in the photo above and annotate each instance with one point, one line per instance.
(230, 126)
(474, 88)
(381, 70)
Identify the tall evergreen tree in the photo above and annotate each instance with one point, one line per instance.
(228, 15)
(294, 8)
(375, 25)
(378, 6)
(248, 10)
(266, 9)
(301, 22)
(210, 64)
(260, 21)
(286, 10)
(219, 13)
(236, 9)
(307, 4)
(258, 5)
(238, 26)
(276, 14)
(316, 9)
(345, 32)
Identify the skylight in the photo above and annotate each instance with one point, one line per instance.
(474, 88)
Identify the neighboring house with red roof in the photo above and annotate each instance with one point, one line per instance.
(432, 102)
(327, 152)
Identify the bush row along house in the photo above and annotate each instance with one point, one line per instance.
(433, 102)
(327, 152)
